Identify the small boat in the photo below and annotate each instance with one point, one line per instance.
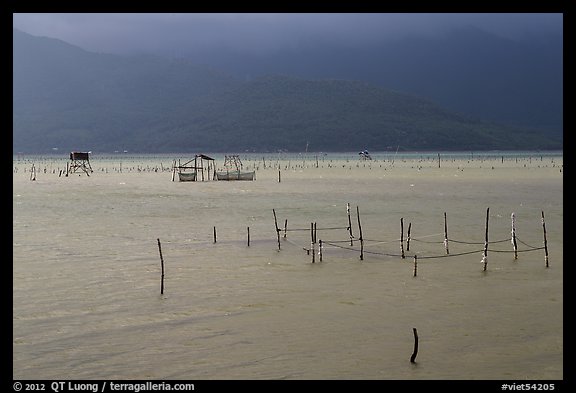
(187, 176)
(235, 175)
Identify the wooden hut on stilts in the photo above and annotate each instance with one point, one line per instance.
(200, 168)
(79, 161)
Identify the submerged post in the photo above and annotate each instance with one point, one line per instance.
(545, 242)
(415, 352)
(162, 267)
(285, 227)
(320, 249)
(415, 265)
(446, 234)
(214, 234)
(248, 230)
(360, 232)
(485, 254)
(514, 244)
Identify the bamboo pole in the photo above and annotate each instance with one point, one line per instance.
(162, 267)
(485, 254)
(446, 234)
(545, 241)
(173, 169)
(402, 237)
(349, 224)
(514, 243)
(360, 232)
(277, 230)
(415, 352)
(408, 238)
(312, 242)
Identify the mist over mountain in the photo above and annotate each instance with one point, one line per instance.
(68, 98)
(466, 70)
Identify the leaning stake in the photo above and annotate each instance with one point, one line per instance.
(360, 232)
(545, 242)
(276, 225)
(413, 357)
(162, 266)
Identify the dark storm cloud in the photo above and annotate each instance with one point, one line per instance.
(175, 33)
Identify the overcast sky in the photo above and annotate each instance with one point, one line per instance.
(180, 33)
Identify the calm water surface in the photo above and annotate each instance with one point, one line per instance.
(86, 269)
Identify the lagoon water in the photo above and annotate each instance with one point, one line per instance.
(86, 269)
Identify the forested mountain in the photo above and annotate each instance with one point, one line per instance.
(67, 98)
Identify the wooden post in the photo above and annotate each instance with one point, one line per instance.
(173, 169)
(67, 169)
(320, 249)
(514, 244)
(312, 241)
(402, 237)
(438, 160)
(279, 177)
(446, 234)
(408, 238)
(277, 230)
(360, 232)
(545, 242)
(349, 223)
(415, 352)
(485, 255)
(162, 266)
(214, 234)
(415, 265)
(248, 229)
(285, 227)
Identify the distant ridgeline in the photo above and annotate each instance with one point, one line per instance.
(69, 99)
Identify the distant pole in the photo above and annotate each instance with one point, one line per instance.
(360, 232)
(173, 169)
(485, 254)
(415, 352)
(162, 266)
(438, 160)
(279, 177)
(446, 234)
(214, 234)
(415, 265)
(349, 223)
(408, 237)
(320, 249)
(285, 227)
(402, 237)
(514, 244)
(248, 230)
(545, 242)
